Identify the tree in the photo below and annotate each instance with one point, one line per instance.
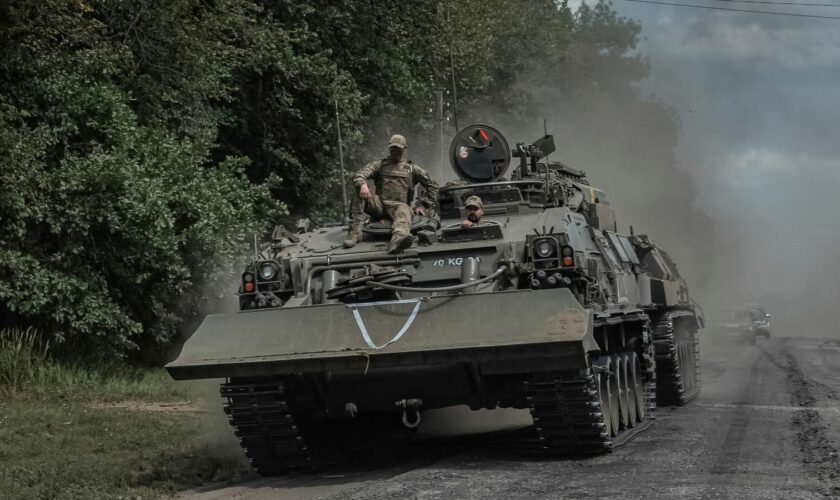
(110, 222)
(139, 140)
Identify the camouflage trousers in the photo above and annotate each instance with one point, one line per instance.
(378, 209)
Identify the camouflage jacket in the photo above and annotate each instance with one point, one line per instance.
(396, 181)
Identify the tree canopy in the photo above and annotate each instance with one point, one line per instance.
(140, 141)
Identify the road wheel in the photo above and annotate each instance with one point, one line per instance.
(638, 386)
(608, 392)
(604, 398)
(629, 389)
(615, 402)
(623, 394)
(685, 365)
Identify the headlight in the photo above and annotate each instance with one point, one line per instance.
(545, 248)
(268, 271)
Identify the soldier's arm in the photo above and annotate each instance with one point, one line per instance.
(430, 192)
(365, 173)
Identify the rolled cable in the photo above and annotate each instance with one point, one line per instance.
(450, 288)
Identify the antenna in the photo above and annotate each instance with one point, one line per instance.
(341, 165)
(545, 186)
(441, 146)
(256, 252)
(452, 72)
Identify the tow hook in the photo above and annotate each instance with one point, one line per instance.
(351, 409)
(410, 406)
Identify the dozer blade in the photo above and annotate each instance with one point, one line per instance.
(504, 332)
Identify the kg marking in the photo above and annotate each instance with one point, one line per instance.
(452, 261)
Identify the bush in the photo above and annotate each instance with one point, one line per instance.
(111, 222)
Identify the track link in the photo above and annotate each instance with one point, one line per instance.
(282, 434)
(677, 359)
(259, 412)
(568, 418)
(567, 412)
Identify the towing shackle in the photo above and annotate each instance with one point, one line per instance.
(411, 411)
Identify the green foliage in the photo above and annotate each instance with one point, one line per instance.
(140, 140)
(599, 57)
(109, 227)
(505, 56)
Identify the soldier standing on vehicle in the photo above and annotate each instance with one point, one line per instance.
(395, 179)
(474, 209)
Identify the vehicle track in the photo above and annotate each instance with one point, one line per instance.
(820, 455)
(677, 359)
(761, 429)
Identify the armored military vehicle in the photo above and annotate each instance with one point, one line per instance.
(747, 324)
(543, 305)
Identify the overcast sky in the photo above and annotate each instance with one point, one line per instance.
(758, 98)
(759, 102)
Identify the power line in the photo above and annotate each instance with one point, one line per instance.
(813, 16)
(782, 3)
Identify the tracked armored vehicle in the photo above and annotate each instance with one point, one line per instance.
(543, 305)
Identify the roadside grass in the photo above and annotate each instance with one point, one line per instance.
(23, 358)
(27, 370)
(69, 431)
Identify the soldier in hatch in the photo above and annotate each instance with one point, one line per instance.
(395, 179)
(473, 210)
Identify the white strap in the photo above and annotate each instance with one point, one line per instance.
(361, 324)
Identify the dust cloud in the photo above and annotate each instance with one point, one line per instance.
(725, 154)
(757, 100)
(217, 435)
(218, 438)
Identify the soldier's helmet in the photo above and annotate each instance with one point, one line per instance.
(398, 141)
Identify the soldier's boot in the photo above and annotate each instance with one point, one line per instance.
(354, 235)
(400, 242)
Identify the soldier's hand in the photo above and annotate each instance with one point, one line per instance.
(466, 224)
(420, 211)
(364, 192)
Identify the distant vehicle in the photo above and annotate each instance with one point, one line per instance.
(747, 324)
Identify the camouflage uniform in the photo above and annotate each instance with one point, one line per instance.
(394, 181)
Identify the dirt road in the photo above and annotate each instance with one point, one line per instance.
(767, 425)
